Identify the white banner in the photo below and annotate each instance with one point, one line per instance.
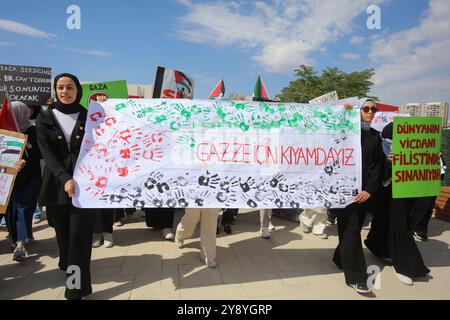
(217, 154)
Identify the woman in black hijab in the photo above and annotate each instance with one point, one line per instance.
(390, 236)
(60, 131)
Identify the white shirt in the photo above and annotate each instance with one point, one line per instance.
(67, 123)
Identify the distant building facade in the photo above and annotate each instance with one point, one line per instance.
(431, 109)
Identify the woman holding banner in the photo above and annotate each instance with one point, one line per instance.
(26, 187)
(60, 131)
(390, 236)
(349, 254)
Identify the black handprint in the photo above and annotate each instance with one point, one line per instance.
(209, 181)
(279, 203)
(227, 184)
(277, 179)
(162, 186)
(200, 198)
(171, 203)
(181, 200)
(327, 204)
(329, 170)
(138, 203)
(246, 185)
(251, 203)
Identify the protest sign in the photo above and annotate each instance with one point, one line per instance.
(111, 89)
(30, 85)
(12, 145)
(416, 166)
(326, 98)
(217, 154)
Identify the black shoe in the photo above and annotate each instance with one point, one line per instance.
(217, 231)
(360, 287)
(331, 221)
(420, 236)
(227, 229)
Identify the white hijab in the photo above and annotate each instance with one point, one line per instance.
(22, 115)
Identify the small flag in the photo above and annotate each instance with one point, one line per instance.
(7, 119)
(173, 84)
(218, 92)
(260, 91)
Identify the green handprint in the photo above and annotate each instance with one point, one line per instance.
(185, 139)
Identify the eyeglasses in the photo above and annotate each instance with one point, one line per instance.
(367, 109)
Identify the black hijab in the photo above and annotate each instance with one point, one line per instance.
(74, 107)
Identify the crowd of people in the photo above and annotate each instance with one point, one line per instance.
(56, 138)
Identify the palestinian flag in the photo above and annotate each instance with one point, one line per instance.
(260, 91)
(7, 119)
(218, 92)
(173, 84)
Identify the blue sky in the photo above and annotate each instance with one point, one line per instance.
(236, 41)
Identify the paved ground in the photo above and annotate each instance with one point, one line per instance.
(290, 265)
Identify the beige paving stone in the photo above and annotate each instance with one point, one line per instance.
(291, 265)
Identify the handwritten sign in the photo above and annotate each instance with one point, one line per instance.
(416, 166)
(326, 98)
(30, 85)
(12, 146)
(217, 154)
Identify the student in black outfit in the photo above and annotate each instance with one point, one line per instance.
(229, 219)
(349, 254)
(27, 185)
(60, 131)
(421, 213)
(103, 228)
(390, 235)
(161, 219)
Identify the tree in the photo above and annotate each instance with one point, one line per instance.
(310, 85)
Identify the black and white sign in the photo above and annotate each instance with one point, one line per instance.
(31, 85)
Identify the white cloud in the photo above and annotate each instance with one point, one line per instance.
(24, 29)
(357, 40)
(96, 53)
(5, 44)
(281, 34)
(351, 56)
(414, 64)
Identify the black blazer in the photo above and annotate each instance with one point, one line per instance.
(59, 161)
(372, 160)
(33, 157)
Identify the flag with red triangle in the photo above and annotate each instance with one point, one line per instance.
(7, 119)
(260, 91)
(218, 92)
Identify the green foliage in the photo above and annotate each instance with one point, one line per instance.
(310, 85)
(445, 149)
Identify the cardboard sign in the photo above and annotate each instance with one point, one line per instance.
(416, 166)
(112, 90)
(30, 85)
(12, 146)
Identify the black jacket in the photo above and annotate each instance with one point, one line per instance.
(372, 160)
(59, 162)
(33, 157)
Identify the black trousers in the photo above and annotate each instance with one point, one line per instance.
(421, 214)
(229, 216)
(159, 218)
(74, 228)
(349, 254)
(104, 220)
(391, 236)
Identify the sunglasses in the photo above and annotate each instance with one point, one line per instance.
(367, 109)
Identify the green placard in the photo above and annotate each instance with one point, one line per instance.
(112, 90)
(416, 169)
